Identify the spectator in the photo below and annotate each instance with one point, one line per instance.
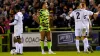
(25, 18)
(2, 31)
(36, 4)
(30, 22)
(64, 15)
(52, 8)
(97, 17)
(57, 8)
(26, 6)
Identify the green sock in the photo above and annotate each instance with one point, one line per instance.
(49, 44)
(42, 45)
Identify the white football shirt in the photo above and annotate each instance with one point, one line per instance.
(18, 24)
(81, 18)
(87, 14)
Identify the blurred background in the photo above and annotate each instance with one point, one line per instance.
(59, 11)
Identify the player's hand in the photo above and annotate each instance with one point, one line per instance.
(9, 24)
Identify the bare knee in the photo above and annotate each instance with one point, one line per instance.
(77, 38)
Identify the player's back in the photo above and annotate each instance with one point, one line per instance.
(87, 14)
(19, 25)
(80, 18)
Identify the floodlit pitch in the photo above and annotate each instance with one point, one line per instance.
(58, 53)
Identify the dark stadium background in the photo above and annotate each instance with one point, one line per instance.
(56, 8)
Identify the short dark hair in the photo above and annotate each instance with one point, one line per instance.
(77, 4)
(41, 4)
(17, 7)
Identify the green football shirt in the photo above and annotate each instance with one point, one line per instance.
(44, 19)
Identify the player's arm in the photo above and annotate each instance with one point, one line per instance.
(15, 21)
(90, 14)
(71, 14)
(35, 17)
(95, 15)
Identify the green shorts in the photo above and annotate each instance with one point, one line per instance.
(44, 29)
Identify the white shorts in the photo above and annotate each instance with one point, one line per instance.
(18, 34)
(82, 32)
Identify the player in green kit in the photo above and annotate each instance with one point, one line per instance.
(43, 20)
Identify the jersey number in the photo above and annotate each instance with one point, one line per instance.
(78, 14)
(85, 16)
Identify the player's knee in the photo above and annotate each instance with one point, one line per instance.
(83, 37)
(49, 40)
(42, 37)
(77, 38)
(42, 40)
(15, 40)
(18, 39)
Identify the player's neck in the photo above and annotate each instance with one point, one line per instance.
(78, 8)
(44, 8)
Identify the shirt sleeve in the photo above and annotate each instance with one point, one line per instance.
(13, 23)
(71, 15)
(41, 12)
(90, 13)
(16, 17)
(15, 20)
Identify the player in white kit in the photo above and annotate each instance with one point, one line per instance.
(18, 29)
(88, 14)
(81, 25)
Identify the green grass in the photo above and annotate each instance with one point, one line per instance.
(58, 53)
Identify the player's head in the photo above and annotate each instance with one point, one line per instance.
(78, 5)
(44, 5)
(17, 8)
(83, 5)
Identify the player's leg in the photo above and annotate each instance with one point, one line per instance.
(42, 41)
(87, 35)
(16, 44)
(85, 43)
(77, 34)
(20, 44)
(49, 42)
(85, 40)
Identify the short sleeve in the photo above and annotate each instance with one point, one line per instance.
(72, 14)
(41, 12)
(16, 17)
(90, 13)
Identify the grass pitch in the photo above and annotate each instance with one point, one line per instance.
(58, 53)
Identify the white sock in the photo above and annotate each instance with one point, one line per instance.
(87, 44)
(42, 50)
(77, 45)
(49, 50)
(85, 48)
(17, 47)
(21, 48)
